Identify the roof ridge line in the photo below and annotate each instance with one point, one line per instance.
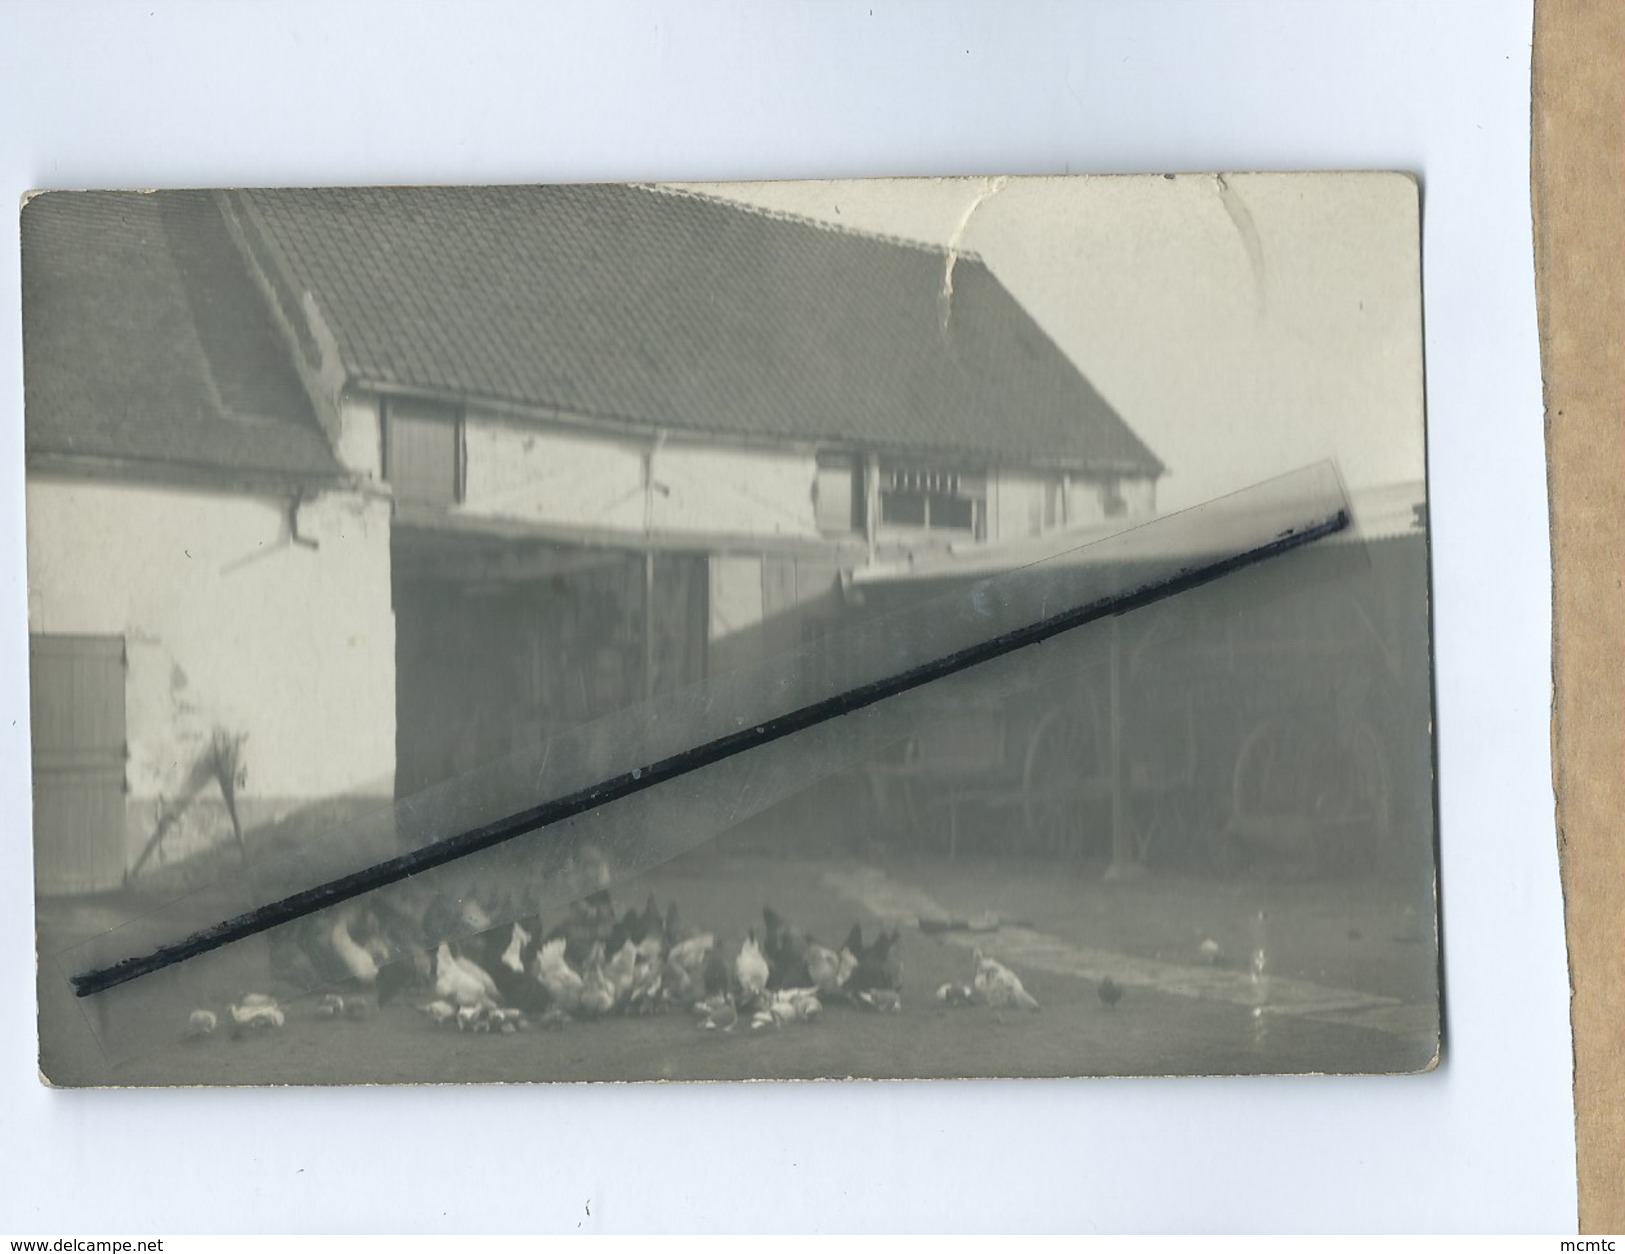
(786, 215)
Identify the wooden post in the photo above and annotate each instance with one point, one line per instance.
(871, 503)
(648, 624)
(1122, 837)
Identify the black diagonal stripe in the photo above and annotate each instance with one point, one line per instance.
(393, 870)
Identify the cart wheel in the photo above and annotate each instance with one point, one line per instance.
(929, 804)
(1312, 795)
(1355, 813)
(1062, 756)
(1255, 768)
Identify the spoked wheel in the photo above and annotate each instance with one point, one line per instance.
(928, 802)
(1313, 793)
(1353, 808)
(1063, 761)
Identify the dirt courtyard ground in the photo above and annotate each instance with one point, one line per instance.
(1327, 977)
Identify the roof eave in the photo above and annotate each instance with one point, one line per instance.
(649, 428)
(265, 481)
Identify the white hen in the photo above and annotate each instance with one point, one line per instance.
(457, 983)
(598, 988)
(621, 971)
(997, 985)
(562, 982)
(357, 959)
(685, 968)
(259, 1015)
(751, 967)
(513, 957)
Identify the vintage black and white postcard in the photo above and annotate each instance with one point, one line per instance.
(361, 520)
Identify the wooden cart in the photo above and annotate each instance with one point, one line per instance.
(1211, 728)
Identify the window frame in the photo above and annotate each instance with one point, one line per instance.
(935, 480)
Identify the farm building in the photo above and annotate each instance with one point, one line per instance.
(370, 487)
(201, 564)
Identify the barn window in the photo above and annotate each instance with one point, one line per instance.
(838, 497)
(423, 452)
(934, 499)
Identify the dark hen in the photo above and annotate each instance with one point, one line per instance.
(717, 976)
(854, 943)
(652, 923)
(786, 953)
(880, 965)
(628, 928)
(585, 927)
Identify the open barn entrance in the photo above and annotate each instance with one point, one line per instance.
(501, 643)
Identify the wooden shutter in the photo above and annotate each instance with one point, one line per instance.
(423, 453)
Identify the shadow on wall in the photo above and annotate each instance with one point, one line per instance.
(270, 829)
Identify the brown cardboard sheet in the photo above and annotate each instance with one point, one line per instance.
(1579, 209)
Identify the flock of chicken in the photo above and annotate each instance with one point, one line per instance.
(598, 963)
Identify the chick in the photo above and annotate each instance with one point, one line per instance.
(719, 1013)
(201, 1023)
(262, 1013)
(331, 1006)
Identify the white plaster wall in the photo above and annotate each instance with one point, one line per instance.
(1141, 495)
(1015, 504)
(360, 444)
(1086, 502)
(538, 475)
(736, 595)
(230, 624)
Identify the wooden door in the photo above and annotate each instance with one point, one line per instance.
(79, 756)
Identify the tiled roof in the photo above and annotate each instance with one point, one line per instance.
(146, 343)
(682, 312)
